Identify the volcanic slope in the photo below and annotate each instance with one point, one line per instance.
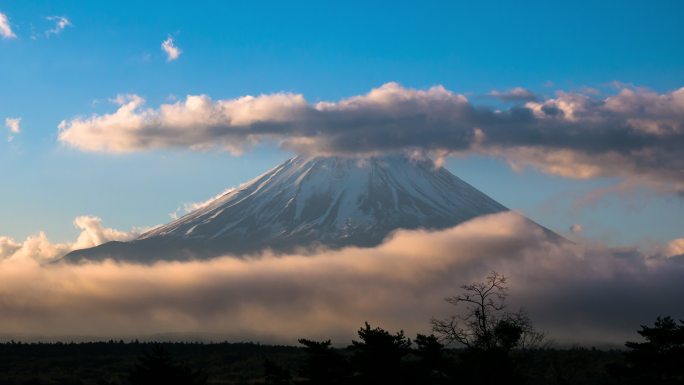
(311, 201)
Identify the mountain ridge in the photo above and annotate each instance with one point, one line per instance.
(309, 202)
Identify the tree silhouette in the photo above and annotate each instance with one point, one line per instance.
(488, 332)
(485, 324)
(157, 367)
(323, 365)
(275, 374)
(432, 366)
(660, 359)
(378, 357)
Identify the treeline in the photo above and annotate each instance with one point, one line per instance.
(381, 357)
(377, 356)
(111, 362)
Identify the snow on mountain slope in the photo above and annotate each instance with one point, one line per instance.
(305, 202)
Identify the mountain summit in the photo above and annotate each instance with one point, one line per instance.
(307, 202)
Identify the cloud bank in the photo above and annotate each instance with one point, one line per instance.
(577, 293)
(635, 134)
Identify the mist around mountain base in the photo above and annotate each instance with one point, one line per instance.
(577, 293)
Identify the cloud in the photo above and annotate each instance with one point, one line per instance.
(171, 50)
(514, 95)
(635, 134)
(39, 248)
(192, 206)
(675, 248)
(5, 27)
(197, 122)
(578, 293)
(14, 127)
(61, 23)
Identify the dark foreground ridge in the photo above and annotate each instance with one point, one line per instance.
(377, 357)
(244, 363)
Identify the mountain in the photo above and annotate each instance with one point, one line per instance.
(308, 202)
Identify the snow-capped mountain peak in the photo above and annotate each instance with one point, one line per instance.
(311, 201)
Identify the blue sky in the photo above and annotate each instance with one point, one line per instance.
(326, 51)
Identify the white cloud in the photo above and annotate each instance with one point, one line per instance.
(61, 23)
(578, 293)
(171, 50)
(192, 206)
(5, 27)
(14, 127)
(185, 123)
(39, 247)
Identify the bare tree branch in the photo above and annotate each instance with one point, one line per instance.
(484, 323)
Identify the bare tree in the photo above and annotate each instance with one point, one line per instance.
(485, 323)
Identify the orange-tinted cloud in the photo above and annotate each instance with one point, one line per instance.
(576, 293)
(39, 248)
